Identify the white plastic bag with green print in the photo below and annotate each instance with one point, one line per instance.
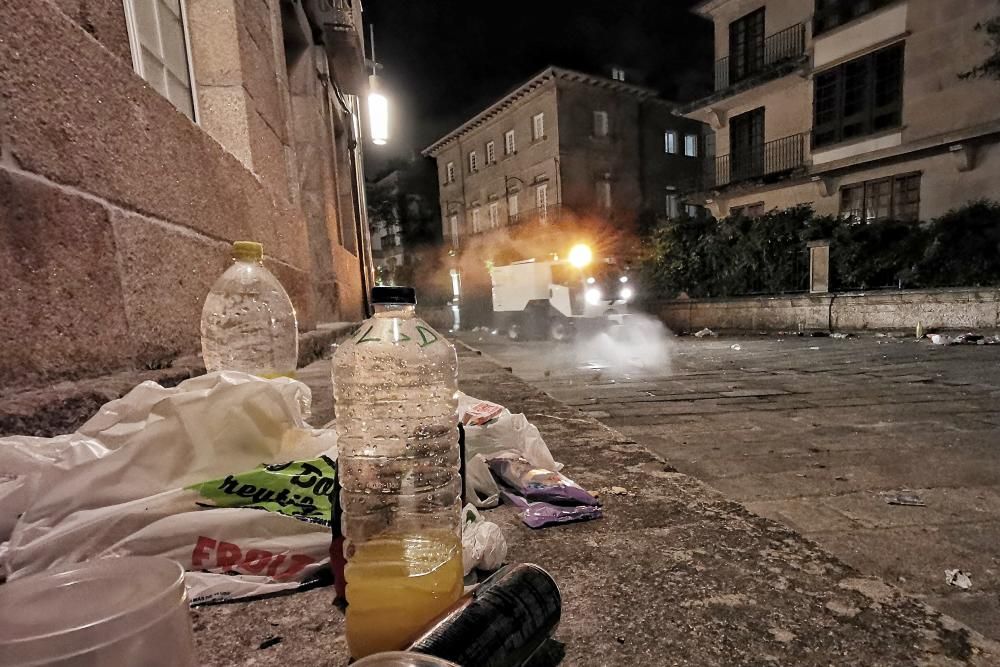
(220, 473)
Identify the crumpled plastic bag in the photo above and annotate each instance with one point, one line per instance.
(483, 544)
(220, 473)
(491, 430)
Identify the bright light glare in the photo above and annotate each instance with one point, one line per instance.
(580, 255)
(623, 279)
(590, 280)
(625, 294)
(378, 117)
(593, 296)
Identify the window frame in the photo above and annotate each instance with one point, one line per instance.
(135, 49)
(538, 126)
(602, 125)
(671, 204)
(512, 205)
(542, 200)
(509, 143)
(603, 193)
(831, 14)
(834, 89)
(491, 152)
(449, 172)
(476, 221)
(866, 195)
(670, 142)
(693, 138)
(453, 225)
(494, 214)
(473, 162)
(746, 45)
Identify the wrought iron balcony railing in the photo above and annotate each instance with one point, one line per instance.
(780, 47)
(768, 159)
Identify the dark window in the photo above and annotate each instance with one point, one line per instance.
(746, 46)
(896, 197)
(831, 13)
(859, 97)
(746, 144)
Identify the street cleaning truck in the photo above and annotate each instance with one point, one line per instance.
(556, 298)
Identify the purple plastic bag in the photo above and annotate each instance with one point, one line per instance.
(538, 483)
(539, 514)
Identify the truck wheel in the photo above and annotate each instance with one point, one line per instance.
(559, 330)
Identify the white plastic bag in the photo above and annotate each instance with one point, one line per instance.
(483, 543)
(491, 430)
(198, 473)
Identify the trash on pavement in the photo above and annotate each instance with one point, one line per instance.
(814, 348)
(491, 430)
(616, 491)
(736, 346)
(958, 579)
(220, 473)
(502, 623)
(841, 335)
(940, 339)
(483, 543)
(540, 514)
(539, 484)
(907, 498)
(968, 339)
(705, 332)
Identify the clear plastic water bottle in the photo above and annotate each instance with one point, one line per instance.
(248, 323)
(395, 381)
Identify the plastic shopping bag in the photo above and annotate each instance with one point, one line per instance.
(220, 473)
(492, 430)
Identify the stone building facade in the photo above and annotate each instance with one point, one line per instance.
(138, 138)
(856, 108)
(561, 143)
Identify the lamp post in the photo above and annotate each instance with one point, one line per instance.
(378, 104)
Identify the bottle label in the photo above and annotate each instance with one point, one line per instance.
(394, 332)
(303, 490)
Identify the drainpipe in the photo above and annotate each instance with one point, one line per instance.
(359, 199)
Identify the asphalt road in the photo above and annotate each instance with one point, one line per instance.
(816, 433)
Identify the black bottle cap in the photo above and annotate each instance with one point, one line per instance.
(404, 295)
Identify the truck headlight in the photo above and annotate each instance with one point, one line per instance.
(593, 296)
(625, 294)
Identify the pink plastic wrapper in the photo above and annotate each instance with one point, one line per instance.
(539, 514)
(539, 484)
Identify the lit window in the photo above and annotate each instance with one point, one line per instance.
(538, 126)
(494, 215)
(670, 205)
(897, 197)
(508, 143)
(512, 205)
(617, 73)
(691, 145)
(157, 33)
(669, 141)
(600, 123)
(473, 161)
(542, 200)
(691, 210)
(449, 172)
(604, 193)
(491, 152)
(475, 221)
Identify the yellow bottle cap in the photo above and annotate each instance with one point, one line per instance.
(248, 251)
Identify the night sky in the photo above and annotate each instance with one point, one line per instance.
(445, 60)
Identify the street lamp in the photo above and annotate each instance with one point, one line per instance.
(378, 104)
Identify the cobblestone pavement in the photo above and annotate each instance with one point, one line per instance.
(814, 433)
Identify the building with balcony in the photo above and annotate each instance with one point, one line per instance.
(856, 107)
(565, 146)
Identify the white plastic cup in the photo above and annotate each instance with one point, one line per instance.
(112, 611)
